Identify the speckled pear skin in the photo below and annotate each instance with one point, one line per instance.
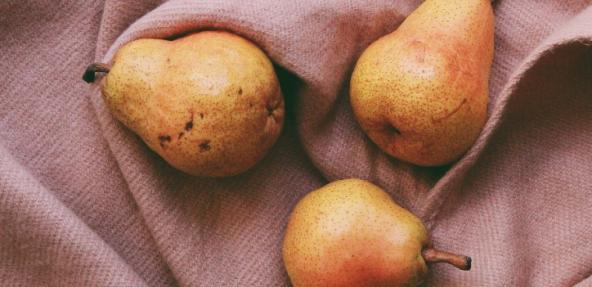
(209, 103)
(351, 233)
(421, 92)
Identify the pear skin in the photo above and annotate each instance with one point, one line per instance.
(420, 93)
(209, 103)
(351, 233)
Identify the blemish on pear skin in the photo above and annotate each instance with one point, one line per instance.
(464, 101)
(189, 124)
(240, 91)
(181, 134)
(163, 140)
(204, 146)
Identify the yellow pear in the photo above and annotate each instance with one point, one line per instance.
(421, 92)
(351, 233)
(209, 103)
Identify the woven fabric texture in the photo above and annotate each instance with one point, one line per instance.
(84, 202)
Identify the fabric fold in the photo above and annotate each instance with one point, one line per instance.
(44, 243)
(106, 210)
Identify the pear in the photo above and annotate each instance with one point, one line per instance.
(209, 103)
(420, 93)
(351, 233)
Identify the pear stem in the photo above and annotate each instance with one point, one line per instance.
(89, 74)
(432, 255)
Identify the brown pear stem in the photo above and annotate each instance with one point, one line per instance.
(432, 255)
(89, 74)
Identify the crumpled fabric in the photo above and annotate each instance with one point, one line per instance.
(84, 202)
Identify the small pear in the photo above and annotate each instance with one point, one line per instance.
(420, 93)
(209, 103)
(351, 233)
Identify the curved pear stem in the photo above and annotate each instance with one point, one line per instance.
(89, 74)
(432, 255)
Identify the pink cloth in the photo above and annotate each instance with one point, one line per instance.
(83, 202)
